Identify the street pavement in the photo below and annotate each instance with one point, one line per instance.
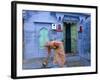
(71, 61)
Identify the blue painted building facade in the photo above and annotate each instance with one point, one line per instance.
(37, 30)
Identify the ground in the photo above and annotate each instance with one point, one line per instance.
(71, 61)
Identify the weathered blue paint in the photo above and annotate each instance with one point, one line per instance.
(85, 45)
(34, 21)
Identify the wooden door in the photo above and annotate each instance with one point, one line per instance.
(73, 38)
(67, 37)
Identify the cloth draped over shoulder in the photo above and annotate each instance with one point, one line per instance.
(59, 53)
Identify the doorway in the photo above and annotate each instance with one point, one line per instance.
(43, 37)
(70, 37)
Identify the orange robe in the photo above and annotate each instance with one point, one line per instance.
(59, 55)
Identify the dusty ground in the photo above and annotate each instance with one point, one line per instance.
(71, 61)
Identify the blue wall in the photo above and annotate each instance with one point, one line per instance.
(34, 21)
(85, 39)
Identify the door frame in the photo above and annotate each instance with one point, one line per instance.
(64, 25)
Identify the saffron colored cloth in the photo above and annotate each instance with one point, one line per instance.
(59, 54)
